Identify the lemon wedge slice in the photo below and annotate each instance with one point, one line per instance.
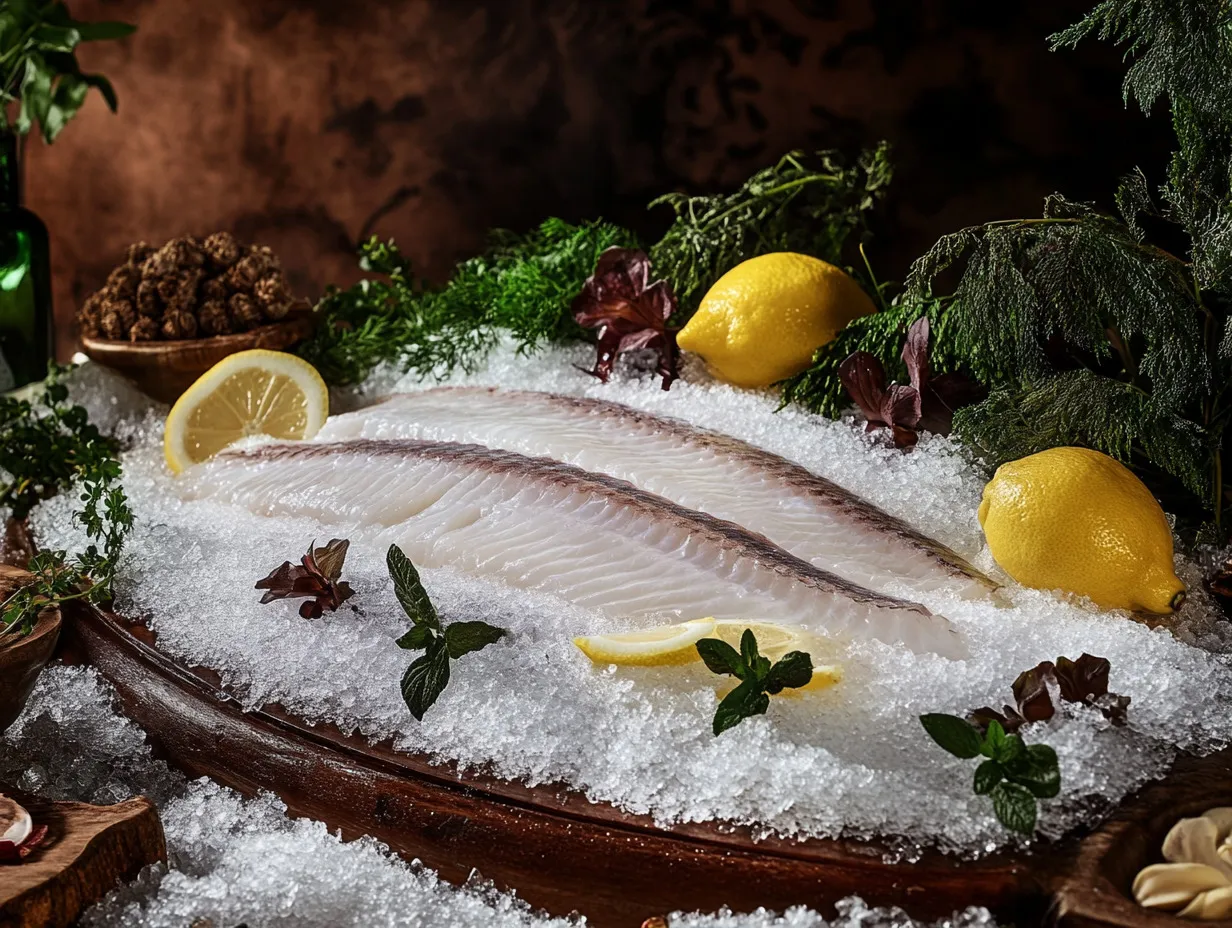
(649, 647)
(255, 392)
(774, 640)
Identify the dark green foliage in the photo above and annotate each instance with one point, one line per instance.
(48, 446)
(758, 679)
(819, 389)
(522, 285)
(807, 204)
(38, 64)
(1086, 331)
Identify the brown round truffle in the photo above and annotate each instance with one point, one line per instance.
(272, 296)
(144, 330)
(137, 253)
(178, 324)
(116, 318)
(244, 312)
(221, 249)
(148, 302)
(213, 318)
(122, 283)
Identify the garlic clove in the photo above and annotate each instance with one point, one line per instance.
(1174, 886)
(15, 821)
(1195, 840)
(1212, 904)
(1222, 817)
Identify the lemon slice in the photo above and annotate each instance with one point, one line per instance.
(774, 640)
(650, 647)
(254, 392)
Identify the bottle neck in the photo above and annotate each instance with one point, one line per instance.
(10, 171)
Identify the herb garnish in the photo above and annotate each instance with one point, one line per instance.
(47, 446)
(906, 409)
(427, 677)
(758, 679)
(629, 311)
(811, 204)
(1014, 775)
(1084, 682)
(316, 578)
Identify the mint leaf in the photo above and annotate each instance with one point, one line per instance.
(1015, 808)
(409, 589)
(721, 657)
(1038, 772)
(418, 637)
(748, 650)
(958, 736)
(1010, 752)
(426, 678)
(794, 670)
(745, 701)
(987, 775)
(994, 740)
(465, 637)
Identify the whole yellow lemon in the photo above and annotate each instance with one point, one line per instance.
(1077, 520)
(763, 319)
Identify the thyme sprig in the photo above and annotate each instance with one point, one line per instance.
(47, 446)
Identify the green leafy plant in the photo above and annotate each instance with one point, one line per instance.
(1014, 775)
(38, 61)
(522, 285)
(811, 204)
(428, 675)
(759, 680)
(48, 446)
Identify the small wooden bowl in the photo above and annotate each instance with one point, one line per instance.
(164, 370)
(23, 659)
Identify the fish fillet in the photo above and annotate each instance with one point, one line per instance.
(543, 525)
(807, 515)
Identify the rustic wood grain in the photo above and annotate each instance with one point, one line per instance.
(89, 851)
(23, 658)
(557, 849)
(164, 370)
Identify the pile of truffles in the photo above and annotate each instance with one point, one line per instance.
(188, 289)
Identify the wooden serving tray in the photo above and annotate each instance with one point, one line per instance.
(563, 853)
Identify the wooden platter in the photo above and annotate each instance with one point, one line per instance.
(165, 369)
(89, 851)
(22, 658)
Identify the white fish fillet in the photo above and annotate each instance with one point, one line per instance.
(807, 515)
(543, 525)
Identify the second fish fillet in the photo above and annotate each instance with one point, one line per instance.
(543, 525)
(813, 518)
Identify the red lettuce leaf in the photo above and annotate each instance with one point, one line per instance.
(315, 579)
(629, 312)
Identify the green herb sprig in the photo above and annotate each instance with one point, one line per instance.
(1014, 775)
(811, 204)
(427, 677)
(522, 285)
(47, 446)
(759, 680)
(38, 65)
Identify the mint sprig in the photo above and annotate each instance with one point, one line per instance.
(428, 675)
(759, 679)
(1015, 775)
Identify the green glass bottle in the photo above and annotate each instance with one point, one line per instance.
(26, 343)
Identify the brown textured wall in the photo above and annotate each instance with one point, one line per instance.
(309, 124)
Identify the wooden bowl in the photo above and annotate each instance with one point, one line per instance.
(164, 370)
(23, 659)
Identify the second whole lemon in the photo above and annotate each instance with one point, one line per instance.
(761, 321)
(1077, 520)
